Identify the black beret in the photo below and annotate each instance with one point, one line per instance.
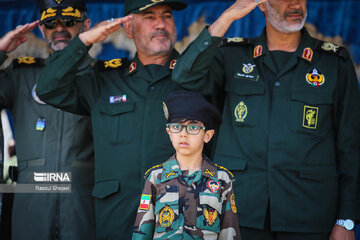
(138, 6)
(51, 9)
(192, 106)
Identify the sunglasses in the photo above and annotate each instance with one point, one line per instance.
(66, 22)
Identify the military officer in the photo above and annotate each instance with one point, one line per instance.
(49, 140)
(291, 133)
(188, 196)
(123, 99)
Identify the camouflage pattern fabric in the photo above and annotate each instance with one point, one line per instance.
(179, 204)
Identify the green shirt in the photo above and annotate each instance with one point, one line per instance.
(290, 136)
(125, 105)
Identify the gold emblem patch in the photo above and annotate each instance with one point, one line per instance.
(50, 12)
(210, 216)
(71, 12)
(166, 217)
(310, 117)
(113, 63)
(315, 78)
(58, 1)
(232, 203)
(308, 54)
(241, 112)
(26, 60)
(258, 51)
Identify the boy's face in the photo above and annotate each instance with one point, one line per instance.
(187, 144)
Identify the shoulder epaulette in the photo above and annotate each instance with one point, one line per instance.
(235, 41)
(116, 63)
(331, 49)
(28, 61)
(147, 173)
(225, 169)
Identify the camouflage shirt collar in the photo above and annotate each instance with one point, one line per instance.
(171, 169)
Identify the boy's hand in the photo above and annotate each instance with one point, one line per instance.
(102, 30)
(10, 41)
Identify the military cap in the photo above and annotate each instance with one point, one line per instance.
(138, 6)
(191, 106)
(52, 9)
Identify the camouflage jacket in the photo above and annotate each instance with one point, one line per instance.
(179, 204)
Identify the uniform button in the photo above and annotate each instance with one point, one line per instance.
(277, 84)
(81, 52)
(152, 88)
(206, 43)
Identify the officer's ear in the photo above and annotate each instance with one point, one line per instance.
(87, 24)
(208, 135)
(128, 26)
(41, 28)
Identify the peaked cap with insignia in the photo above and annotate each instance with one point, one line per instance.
(52, 9)
(138, 6)
(192, 106)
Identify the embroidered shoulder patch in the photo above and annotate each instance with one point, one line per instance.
(28, 61)
(116, 63)
(147, 173)
(235, 41)
(225, 169)
(332, 49)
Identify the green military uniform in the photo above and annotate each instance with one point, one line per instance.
(125, 104)
(179, 204)
(48, 140)
(290, 132)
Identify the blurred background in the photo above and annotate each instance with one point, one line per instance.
(335, 21)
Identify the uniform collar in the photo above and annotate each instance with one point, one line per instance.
(171, 169)
(304, 51)
(137, 66)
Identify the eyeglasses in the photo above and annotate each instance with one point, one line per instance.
(191, 129)
(66, 22)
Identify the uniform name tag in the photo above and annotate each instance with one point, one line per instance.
(117, 99)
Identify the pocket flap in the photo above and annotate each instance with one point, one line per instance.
(245, 87)
(210, 199)
(106, 188)
(116, 108)
(171, 199)
(231, 163)
(311, 97)
(318, 172)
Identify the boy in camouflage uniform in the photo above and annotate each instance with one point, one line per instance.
(188, 196)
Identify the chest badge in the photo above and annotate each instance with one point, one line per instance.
(241, 112)
(210, 215)
(213, 185)
(35, 97)
(248, 68)
(166, 217)
(310, 117)
(115, 63)
(315, 78)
